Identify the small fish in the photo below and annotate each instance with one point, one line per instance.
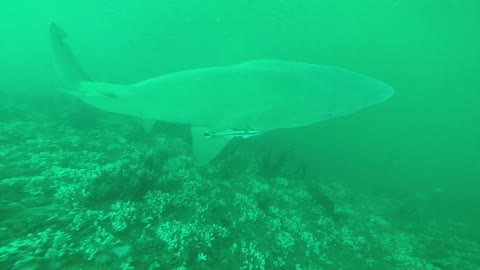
(233, 133)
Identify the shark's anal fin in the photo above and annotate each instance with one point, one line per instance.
(206, 148)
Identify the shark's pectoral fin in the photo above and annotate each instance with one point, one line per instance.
(147, 124)
(206, 148)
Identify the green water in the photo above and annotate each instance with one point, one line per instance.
(393, 187)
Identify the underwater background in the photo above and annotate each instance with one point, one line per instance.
(396, 186)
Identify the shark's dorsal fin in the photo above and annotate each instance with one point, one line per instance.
(206, 148)
(263, 64)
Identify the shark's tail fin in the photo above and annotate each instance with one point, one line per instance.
(68, 69)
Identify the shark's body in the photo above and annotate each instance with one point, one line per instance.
(255, 96)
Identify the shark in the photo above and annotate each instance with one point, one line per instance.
(221, 103)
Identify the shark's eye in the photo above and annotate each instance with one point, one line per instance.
(110, 95)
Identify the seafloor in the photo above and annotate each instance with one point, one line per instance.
(83, 189)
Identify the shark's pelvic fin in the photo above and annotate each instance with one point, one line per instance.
(68, 69)
(206, 148)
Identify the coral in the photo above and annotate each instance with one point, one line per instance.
(74, 196)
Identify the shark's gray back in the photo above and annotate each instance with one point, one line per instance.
(261, 95)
